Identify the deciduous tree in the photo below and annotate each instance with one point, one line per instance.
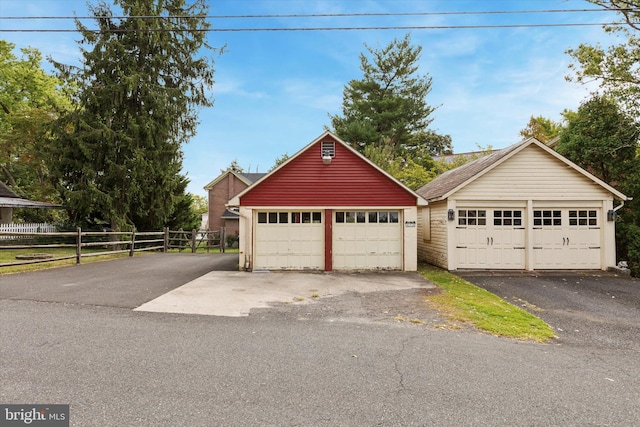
(603, 139)
(541, 128)
(30, 99)
(615, 67)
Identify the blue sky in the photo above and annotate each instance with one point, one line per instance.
(275, 90)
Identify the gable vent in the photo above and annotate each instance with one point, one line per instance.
(328, 149)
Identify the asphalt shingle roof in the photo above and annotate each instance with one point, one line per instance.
(6, 191)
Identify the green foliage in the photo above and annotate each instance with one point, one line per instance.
(183, 215)
(118, 154)
(444, 163)
(541, 128)
(30, 100)
(616, 67)
(406, 170)
(628, 241)
(603, 139)
(234, 166)
(388, 105)
(385, 114)
(200, 204)
(280, 160)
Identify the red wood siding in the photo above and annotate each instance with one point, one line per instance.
(347, 181)
(328, 240)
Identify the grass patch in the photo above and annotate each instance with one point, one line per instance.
(7, 255)
(463, 302)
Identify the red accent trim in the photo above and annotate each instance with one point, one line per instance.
(328, 240)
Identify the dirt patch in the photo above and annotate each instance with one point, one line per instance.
(398, 306)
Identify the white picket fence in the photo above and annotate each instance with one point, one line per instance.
(28, 228)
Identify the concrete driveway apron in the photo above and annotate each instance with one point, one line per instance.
(235, 294)
(593, 308)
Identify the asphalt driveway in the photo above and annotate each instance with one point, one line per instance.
(123, 282)
(591, 308)
(208, 284)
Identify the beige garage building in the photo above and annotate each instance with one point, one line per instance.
(525, 207)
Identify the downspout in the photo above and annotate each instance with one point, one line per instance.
(620, 206)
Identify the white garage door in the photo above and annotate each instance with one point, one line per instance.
(490, 238)
(366, 240)
(566, 239)
(289, 241)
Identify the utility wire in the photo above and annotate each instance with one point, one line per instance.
(330, 15)
(325, 15)
(238, 30)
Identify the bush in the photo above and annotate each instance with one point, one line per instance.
(628, 246)
(231, 240)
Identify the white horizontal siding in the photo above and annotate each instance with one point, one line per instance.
(533, 174)
(434, 250)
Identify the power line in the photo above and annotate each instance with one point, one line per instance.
(330, 15)
(399, 27)
(324, 15)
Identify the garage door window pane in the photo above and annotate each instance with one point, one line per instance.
(482, 217)
(373, 217)
(593, 218)
(295, 217)
(383, 217)
(350, 217)
(306, 217)
(317, 217)
(262, 217)
(472, 217)
(284, 217)
(393, 217)
(340, 217)
(509, 218)
(547, 218)
(273, 217)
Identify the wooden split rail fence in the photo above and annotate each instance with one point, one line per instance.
(97, 243)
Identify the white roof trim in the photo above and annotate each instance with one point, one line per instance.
(221, 177)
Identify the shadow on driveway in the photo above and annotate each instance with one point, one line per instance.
(123, 282)
(594, 308)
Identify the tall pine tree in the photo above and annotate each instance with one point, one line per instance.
(118, 156)
(388, 106)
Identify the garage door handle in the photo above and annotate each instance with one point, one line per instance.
(487, 241)
(492, 241)
(567, 241)
(564, 241)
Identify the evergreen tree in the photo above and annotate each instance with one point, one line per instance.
(388, 105)
(118, 156)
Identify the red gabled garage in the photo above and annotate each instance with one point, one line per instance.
(328, 208)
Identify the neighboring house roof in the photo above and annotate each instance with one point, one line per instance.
(247, 178)
(452, 158)
(253, 177)
(235, 201)
(230, 215)
(449, 182)
(6, 191)
(9, 199)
